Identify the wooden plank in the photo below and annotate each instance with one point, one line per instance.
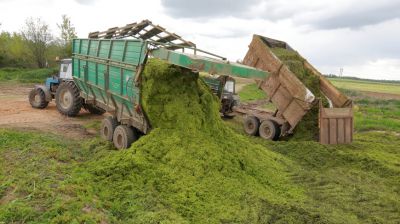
(348, 127)
(332, 131)
(324, 131)
(341, 130)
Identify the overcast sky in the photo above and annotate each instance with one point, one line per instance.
(360, 36)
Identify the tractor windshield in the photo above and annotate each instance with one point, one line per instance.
(229, 86)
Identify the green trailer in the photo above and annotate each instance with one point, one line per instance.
(107, 74)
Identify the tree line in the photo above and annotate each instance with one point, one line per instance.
(35, 46)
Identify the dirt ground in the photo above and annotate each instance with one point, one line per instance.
(16, 112)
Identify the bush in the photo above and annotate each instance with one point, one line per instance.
(26, 75)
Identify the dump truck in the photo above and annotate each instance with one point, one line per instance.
(107, 73)
(292, 99)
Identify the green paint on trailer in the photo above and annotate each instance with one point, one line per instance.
(210, 65)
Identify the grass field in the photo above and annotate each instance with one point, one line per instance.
(366, 85)
(26, 75)
(46, 178)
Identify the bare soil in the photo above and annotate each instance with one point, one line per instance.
(16, 112)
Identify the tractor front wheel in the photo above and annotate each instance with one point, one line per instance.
(68, 100)
(37, 98)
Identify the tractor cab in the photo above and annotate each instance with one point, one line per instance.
(65, 69)
(223, 87)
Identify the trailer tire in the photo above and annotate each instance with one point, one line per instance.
(108, 126)
(251, 125)
(93, 109)
(68, 99)
(269, 130)
(124, 136)
(37, 98)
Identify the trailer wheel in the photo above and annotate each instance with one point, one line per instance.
(251, 125)
(108, 126)
(68, 100)
(37, 98)
(93, 109)
(269, 130)
(123, 137)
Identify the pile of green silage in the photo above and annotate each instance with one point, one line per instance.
(191, 168)
(307, 129)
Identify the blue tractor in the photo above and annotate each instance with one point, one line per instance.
(62, 88)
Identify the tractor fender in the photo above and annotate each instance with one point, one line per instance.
(46, 92)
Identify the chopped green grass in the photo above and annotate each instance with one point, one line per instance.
(191, 168)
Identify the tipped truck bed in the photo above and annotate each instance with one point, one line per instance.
(293, 99)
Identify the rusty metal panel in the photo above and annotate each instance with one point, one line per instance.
(336, 125)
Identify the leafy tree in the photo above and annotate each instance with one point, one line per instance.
(67, 34)
(38, 36)
(13, 51)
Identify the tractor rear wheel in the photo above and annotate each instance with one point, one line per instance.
(251, 125)
(108, 126)
(93, 109)
(124, 136)
(269, 130)
(68, 100)
(37, 98)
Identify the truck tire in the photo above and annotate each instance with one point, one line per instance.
(68, 100)
(123, 137)
(93, 109)
(108, 126)
(37, 99)
(251, 125)
(269, 130)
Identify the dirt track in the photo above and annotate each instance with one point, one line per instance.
(16, 112)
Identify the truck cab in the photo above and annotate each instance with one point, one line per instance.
(224, 88)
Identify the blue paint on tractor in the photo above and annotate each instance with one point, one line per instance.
(51, 81)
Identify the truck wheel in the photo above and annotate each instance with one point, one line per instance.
(93, 109)
(269, 130)
(108, 126)
(251, 125)
(37, 99)
(68, 100)
(123, 137)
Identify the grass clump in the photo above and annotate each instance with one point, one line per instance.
(307, 129)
